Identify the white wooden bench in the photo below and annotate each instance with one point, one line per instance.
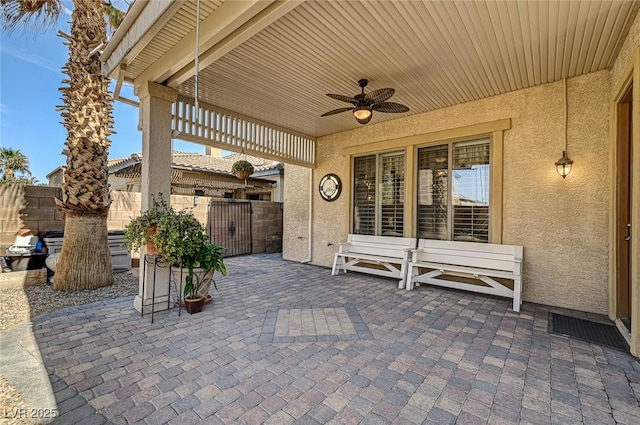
(478, 261)
(380, 255)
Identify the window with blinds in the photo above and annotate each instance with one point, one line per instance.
(379, 195)
(364, 195)
(433, 184)
(392, 195)
(453, 191)
(470, 192)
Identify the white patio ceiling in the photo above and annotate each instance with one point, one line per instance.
(275, 61)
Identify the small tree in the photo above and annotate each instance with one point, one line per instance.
(13, 161)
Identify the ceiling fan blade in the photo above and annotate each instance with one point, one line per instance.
(342, 98)
(336, 111)
(390, 107)
(379, 96)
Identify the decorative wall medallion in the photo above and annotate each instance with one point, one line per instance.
(330, 187)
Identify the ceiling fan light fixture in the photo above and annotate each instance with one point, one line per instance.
(362, 113)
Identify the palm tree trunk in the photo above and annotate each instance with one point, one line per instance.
(85, 248)
(85, 261)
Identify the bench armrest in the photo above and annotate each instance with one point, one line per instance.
(343, 247)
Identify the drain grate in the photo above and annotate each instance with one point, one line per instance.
(586, 330)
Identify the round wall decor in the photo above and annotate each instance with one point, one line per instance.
(330, 187)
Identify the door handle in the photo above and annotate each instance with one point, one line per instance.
(628, 237)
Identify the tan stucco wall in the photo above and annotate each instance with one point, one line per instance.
(562, 224)
(627, 50)
(296, 214)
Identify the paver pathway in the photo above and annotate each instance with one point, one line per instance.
(287, 343)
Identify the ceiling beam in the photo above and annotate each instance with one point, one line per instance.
(213, 52)
(219, 24)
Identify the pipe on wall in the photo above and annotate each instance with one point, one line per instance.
(310, 235)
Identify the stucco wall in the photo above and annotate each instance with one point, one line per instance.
(562, 224)
(296, 214)
(627, 50)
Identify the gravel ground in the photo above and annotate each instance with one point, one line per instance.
(21, 305)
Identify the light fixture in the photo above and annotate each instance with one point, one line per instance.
(363, 114)
(563, 165)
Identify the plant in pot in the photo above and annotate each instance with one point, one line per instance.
(142, 229)
(182, 241)
(242, 169)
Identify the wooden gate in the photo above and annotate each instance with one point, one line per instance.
(230, 226)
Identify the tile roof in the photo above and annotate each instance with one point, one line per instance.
(200, 162)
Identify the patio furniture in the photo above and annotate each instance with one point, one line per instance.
(379, 255)
(468, 260)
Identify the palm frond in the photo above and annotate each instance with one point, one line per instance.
(31, 16)
(113, 15)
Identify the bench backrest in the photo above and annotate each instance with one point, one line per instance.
(471, 254)
(386, 246)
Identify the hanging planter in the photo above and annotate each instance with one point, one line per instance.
(242, 169)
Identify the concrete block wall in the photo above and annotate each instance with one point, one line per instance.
(34, 208)
(27, 207)
(266, 225)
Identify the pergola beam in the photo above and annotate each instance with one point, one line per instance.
(212, 126)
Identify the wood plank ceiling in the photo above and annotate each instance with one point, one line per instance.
(434, 53)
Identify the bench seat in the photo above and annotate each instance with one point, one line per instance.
(477, 261)
(360, 252)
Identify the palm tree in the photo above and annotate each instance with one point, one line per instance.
(85, 259)
(12, 161)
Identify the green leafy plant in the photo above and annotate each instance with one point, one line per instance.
(182, 241)
(242, 166)
(140, 230)
(209, 259)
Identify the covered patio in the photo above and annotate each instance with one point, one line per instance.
(285, 343)
(497, 92)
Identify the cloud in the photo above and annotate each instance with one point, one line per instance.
(29, 57)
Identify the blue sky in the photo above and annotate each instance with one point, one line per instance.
(30, 76)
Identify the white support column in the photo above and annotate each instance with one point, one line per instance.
(155, 113)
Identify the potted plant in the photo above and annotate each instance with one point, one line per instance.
(199, 277)
(242, 169)
(142, 229)
(182, 241)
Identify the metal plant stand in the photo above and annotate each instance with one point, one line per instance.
(156, 262)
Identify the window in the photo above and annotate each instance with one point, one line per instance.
(453, 191)
(379, 195)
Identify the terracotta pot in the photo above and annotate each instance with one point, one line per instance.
(243, 174)
(206, 279)
(151, 247)
(194, 305)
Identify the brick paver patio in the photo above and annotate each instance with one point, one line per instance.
(288, 343)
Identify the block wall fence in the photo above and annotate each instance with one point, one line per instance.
(34, 208)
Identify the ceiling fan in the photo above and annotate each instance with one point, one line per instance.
(365, 104)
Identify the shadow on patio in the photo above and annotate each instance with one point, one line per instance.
(284, 342)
